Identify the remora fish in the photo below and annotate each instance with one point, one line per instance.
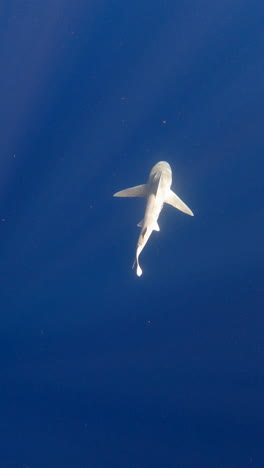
(157, 191)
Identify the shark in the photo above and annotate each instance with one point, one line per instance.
(157, 191)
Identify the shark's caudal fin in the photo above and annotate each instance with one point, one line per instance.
(155, 227)
(138, 268)
(137, 191)
(174, 200)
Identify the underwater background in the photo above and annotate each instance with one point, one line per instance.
(100, 368)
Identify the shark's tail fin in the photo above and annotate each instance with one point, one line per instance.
(137, 191)
(138, 268)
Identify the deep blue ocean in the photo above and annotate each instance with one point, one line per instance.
(100, 368)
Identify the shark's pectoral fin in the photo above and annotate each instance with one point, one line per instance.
(137, 191)
(174, 200)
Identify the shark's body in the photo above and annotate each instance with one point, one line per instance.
(157, 192)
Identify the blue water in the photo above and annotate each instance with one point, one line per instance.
(100, 368)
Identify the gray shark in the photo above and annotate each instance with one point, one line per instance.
(157, 191)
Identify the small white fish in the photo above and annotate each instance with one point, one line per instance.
(157, 191)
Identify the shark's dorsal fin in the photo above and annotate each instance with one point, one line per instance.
(174, 200)
(137, 191)
(156, 181)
